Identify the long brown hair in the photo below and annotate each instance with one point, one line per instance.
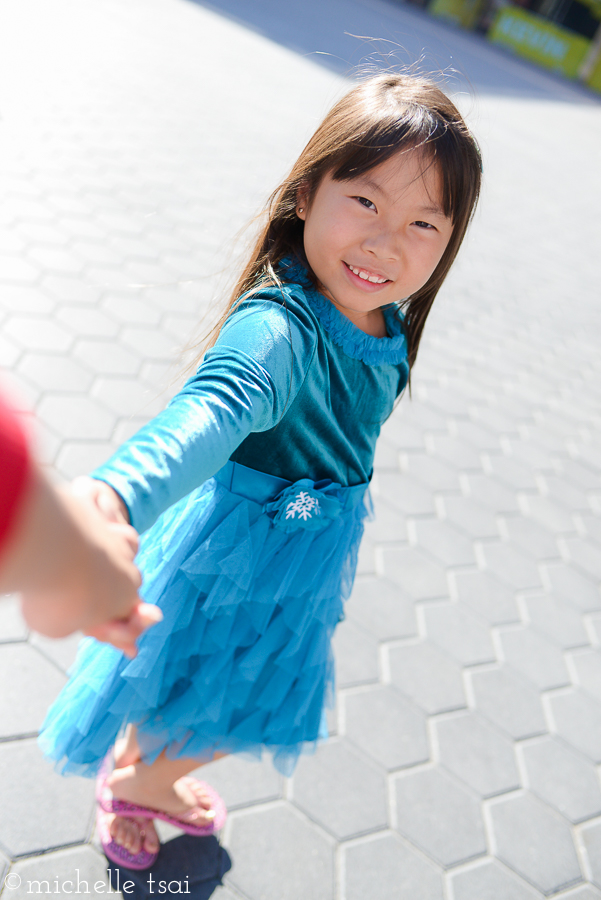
(383, 115)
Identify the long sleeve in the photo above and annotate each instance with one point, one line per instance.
(244, 384)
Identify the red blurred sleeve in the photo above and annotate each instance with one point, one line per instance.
(14, 468)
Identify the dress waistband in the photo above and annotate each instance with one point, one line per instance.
(261, 487)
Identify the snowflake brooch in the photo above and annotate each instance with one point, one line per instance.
(303, 505)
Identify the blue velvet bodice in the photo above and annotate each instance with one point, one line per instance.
(291, 387)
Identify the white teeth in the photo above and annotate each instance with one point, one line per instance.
(375, 279)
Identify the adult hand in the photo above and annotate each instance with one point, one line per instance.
(74, 569)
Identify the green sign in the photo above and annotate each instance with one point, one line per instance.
(462, 12)
(594, 79)
(538, 39)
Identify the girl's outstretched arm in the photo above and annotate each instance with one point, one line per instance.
(245, 384)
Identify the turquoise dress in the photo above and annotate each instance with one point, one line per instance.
(250, 492)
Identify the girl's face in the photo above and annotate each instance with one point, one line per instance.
(377, 238)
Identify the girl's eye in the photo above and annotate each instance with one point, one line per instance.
(365, 202)
(424, 225)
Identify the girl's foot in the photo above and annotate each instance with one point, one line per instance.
(182, 799)
(133, 834)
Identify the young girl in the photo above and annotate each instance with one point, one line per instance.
(251, 485)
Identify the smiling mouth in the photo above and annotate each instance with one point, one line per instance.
(367, 276)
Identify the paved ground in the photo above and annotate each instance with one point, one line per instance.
(137, 136)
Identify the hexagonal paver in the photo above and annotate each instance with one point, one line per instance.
(530, 537)
(76, 417)
(587, 665)
(562, 778)
(570, 584)
(534, 841)
(420, 576)
(508, 564)
(29, 684)
(387, 868)
(590, 836)
(127, 396)
(477, 753)
(107, 357)
(586, 557)
(149, 342)
(556, 619)
(382, 609)
(22, 299)
(459, 633)
(341, 790)
(240, 781)
(404, 493)
(486, 596)
(61, 651)
(81, 457)
(12, 624)
(14, 269)
(509, 701)
(438, 815)
(490, 880)
(387, 525)
(455, 451)
(356, 655)
(471, 517)
(55, 373)
(553, 516)
(586, 892)
(444, 542)
(387, 728)
(432, 472)
(79, 870)
(534, 656)
(491, 493)
(577, 720)
(427, 676)
(126, 308)
(63, 806)
(38, 333)
(511, 472)
(300, 857)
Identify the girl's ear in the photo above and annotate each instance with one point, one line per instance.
(301, 202)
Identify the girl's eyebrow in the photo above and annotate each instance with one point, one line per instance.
(434, 209)
(372, 185)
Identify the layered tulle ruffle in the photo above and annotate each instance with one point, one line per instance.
(251, 593)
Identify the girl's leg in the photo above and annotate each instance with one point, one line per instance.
(127, 750)
(133, 834)
(162, 786)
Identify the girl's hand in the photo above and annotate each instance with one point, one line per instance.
(106, 500)
(122, 633)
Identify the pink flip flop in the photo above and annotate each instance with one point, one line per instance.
(111, 804)
(118, 854)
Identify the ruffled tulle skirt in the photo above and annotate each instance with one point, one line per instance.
(251, 574)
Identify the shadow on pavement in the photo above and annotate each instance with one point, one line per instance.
(187, 866)
(336, 34)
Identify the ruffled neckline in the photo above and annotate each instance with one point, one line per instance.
(356, 343)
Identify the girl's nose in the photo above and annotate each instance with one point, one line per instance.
(383, 243)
